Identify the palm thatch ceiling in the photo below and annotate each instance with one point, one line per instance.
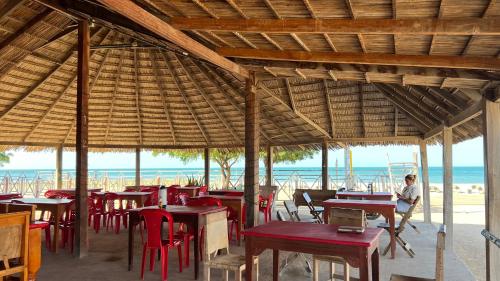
(147, 92)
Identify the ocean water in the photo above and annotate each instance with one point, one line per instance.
(461, 175)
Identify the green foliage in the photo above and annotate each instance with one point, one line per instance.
(4, 158)
(195, 180)
(292, 156)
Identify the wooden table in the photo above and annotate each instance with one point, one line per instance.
(229, 192)
(385, 196)
(359, 250)
(191, 190)
(236, 203)
(139, 197)
(193, 217)
(56, 207)
(385, 208)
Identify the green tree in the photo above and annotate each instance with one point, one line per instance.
(289, 156)
(4, 158)
(225, 158)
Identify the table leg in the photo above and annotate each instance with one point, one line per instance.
(248, 259)
(131, 223)
(392, 230)
(34, 253)
(196, 247)
(364, 265)
(276, 259)
(375, 265)
(57, 218)
(239, 225)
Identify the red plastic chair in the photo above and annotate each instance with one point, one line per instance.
(172, 192)
(96, 211)
(234, 219)
(203, 190)
(153, 199)
(265, 205)
(154, 219)
(182, 198)
(112, 213)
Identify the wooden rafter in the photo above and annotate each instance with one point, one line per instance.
(440, 14)
(207, 99)
(300, 42)
(294, 109)
(179, 86)
(471, 112)
(68, 86)
(113, 99)
(137, 96)
(67, 56)
(411, 114)
(431, 112)
(160, 27)
(468, 62)
(208, 74)
(241, 95)
(450, 27)
(353, 15)
(162, 94)
(329, 106)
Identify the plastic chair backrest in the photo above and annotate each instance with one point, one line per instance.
(203, 189)
(292, 210)
(154, 220)
(110, 200)
(347, 217)
(266, 203)
(204, 201)
(182, 198)
(440, 246)
(171, 195)
(408, 215)
(153, 199)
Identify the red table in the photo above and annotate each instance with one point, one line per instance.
(364, 195)
(230, 192)
(385, 208)
(139, 197)
(193, 217)
(359, 250)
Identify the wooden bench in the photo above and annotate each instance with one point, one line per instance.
(14, 230)
(317, 196)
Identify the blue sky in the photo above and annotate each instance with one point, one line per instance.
(468, 153)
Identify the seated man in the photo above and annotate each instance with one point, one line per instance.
(408, 196)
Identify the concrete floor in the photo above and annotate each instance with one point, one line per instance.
(107, 260)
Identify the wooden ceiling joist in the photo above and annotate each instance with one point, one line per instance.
(467, 62)
(450, 27)
(158, 26)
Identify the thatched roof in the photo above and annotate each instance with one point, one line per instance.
(147, 92)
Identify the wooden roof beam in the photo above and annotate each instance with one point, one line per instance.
(67, 56)
(298, 113)
(468, 62)
(427, 26)
(329, 105)
(181, 92)
(207, 99)
(158, 26)
(162, 94)
(471, 112)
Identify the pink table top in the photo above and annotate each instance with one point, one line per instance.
(186, 210)
(311, 232)
(349, 202)
(364, 194)
(72, 191)
(45, 201)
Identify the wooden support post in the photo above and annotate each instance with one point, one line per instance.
(82, 111)
(137, 167)
(252, 152)
(207, 166)
(59, 159)
(425, 182)
(324, 165)
(491, 131)
(269, 165)
(448, 185)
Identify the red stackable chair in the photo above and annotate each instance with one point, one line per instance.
(234, 219)
(154, 220)
(203, 190)
(153, 199)
(112, 213)
(171, 194)
(96, 211)
(265, 205)
(182, 198)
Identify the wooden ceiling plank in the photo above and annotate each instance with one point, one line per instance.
(207, 99)
(67, 56)
(440, 14)
(158, 26)
(472, 38)
(181, 92)
(162, 94)
(440, 61)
